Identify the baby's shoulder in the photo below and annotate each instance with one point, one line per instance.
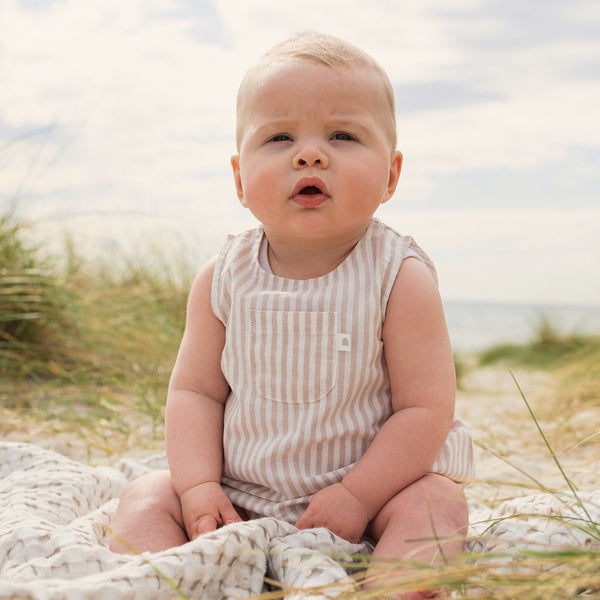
(392, 248)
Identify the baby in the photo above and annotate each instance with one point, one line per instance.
(315, 379)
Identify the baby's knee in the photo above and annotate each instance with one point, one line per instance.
(149, 493)
(148, 516)
(442, 496)
(432, 499)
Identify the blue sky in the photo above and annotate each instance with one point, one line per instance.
(117, 123)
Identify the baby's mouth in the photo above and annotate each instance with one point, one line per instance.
(310, 192)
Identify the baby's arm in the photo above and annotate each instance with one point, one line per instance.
(421, 370)
(194, 415)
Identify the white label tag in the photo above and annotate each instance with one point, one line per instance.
(343, 342)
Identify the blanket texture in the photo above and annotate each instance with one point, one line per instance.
(55, 517)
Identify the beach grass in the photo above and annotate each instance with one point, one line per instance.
(548, 349)
(86, 351)
(572, 359)
(86, 348)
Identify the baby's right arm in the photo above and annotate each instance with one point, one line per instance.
(194, 415)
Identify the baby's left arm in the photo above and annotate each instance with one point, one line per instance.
(422, 378)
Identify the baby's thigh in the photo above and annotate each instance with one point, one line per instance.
(148, 516)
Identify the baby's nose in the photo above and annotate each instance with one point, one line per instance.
(311, 156)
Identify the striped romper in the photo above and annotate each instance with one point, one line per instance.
(305, 364)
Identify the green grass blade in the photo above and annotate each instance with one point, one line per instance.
(553, 454)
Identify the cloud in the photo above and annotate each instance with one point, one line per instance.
(432, 95)
(141, 102)
(128, 107)
(517, 255)
(125, 79)
(530, 24)
(569, 182)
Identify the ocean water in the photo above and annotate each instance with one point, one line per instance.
(475, 326)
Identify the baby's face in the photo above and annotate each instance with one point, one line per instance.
(315, 156)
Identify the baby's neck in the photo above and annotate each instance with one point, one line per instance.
(296, 263)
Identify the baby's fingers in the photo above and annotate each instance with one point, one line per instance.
(229, 515)
(208, 523)
(204, 524)
(305, 521)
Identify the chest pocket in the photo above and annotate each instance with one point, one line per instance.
(293, 355)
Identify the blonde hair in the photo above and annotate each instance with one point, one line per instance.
(327, 50)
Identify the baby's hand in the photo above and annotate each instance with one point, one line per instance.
(205, 507)
(337, 509)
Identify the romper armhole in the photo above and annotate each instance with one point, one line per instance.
(415, 251)
(398, 247)
(217, 292)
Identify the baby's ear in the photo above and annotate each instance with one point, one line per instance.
(237, 178)
(395, 168)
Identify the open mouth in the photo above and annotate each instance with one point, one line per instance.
(310, 190)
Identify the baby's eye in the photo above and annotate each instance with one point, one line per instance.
(282, 137)
(342, 136)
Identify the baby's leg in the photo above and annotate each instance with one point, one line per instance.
(426, 522)
(149, 516)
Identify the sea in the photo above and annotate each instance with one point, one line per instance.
(475, 326)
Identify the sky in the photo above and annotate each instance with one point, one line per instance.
(117, 122)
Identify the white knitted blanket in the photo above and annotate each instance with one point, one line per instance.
(55, 514)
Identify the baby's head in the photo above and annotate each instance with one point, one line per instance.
(321, 49)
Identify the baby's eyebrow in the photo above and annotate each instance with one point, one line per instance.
(274, 126)
(360, 118)
(277, 123)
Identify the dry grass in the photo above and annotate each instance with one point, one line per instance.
(86, 351)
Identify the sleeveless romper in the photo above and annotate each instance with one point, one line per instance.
(304, 360)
